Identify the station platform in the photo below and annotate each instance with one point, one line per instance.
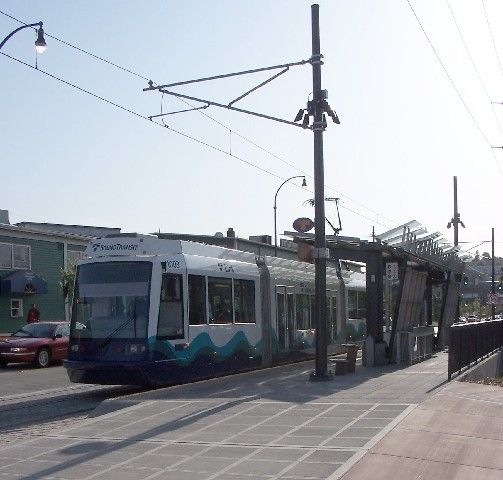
(378, 423)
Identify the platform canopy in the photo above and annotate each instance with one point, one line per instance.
(413, 231)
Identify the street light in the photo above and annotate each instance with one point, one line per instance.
(304, 184)
(40, 44)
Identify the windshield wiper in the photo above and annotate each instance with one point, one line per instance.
(109, 337)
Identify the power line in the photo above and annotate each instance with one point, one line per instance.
(260, 147)
(475, 67)
(492, 37)
(178, 132)
(97, 57)
(139, 115)
(454, 87)
(132, 72)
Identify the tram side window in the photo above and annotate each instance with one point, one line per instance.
(197, 300)
(220, 300)
(357, 304)
(170, 324)
(352, 310)
(302, 305)
(244, 301)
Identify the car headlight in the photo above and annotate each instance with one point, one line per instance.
(18, 349)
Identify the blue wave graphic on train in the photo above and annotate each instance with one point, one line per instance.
(202, 345)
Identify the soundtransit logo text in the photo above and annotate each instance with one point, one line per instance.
(116, 247)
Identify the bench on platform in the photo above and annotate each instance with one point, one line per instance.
(348, 364)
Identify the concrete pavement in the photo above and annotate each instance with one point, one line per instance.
(457, 433)
(382, 422)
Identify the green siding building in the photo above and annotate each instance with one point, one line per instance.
(30, 272)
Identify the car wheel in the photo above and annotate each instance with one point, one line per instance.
(43, 358)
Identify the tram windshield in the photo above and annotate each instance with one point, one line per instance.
(111, 300)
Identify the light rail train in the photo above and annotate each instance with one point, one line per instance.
(149, 311)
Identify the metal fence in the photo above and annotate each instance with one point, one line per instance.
(470, 342)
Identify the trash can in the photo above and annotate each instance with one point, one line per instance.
(341, 366)
(351, 351)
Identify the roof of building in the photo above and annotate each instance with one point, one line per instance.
(19, 230)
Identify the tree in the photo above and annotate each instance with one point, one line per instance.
(66, 283)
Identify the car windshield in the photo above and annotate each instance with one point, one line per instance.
(111, 300)
(37, 330)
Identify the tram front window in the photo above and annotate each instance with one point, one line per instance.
(111, 300)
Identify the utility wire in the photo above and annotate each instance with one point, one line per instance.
(139, 115)
(97, 57)
(260, 147)
(475, 67)
(132, 72)
(492, 37)
(178, 132)
(455, 88)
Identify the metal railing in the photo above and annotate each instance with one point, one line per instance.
(470, 342)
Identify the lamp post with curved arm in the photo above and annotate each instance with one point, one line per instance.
(304, 184)
(40, 44)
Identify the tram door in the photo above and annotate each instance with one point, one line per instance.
(281, 322)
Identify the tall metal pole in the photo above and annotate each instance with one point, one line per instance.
(320, 250)
(456, 238)
(455, 222)
(456, 214)
(493, 286)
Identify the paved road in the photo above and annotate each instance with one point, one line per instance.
(24, 378)
(267, 424)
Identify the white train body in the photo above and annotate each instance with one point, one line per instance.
(155, 311)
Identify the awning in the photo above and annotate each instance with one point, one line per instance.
(23, 281)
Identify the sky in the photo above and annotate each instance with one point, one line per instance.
(410, 120)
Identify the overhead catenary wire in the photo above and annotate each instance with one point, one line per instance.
(178, 132)
(139, 115)
(451, 81)
(97, 57)
(498, 123)
(492, 37)
(231, 131)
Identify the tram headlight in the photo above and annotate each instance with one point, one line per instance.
(135, 348)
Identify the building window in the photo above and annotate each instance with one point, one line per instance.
(16, 308)
(5, 255)
(220, 299)
(21, 257)
(13, 256)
